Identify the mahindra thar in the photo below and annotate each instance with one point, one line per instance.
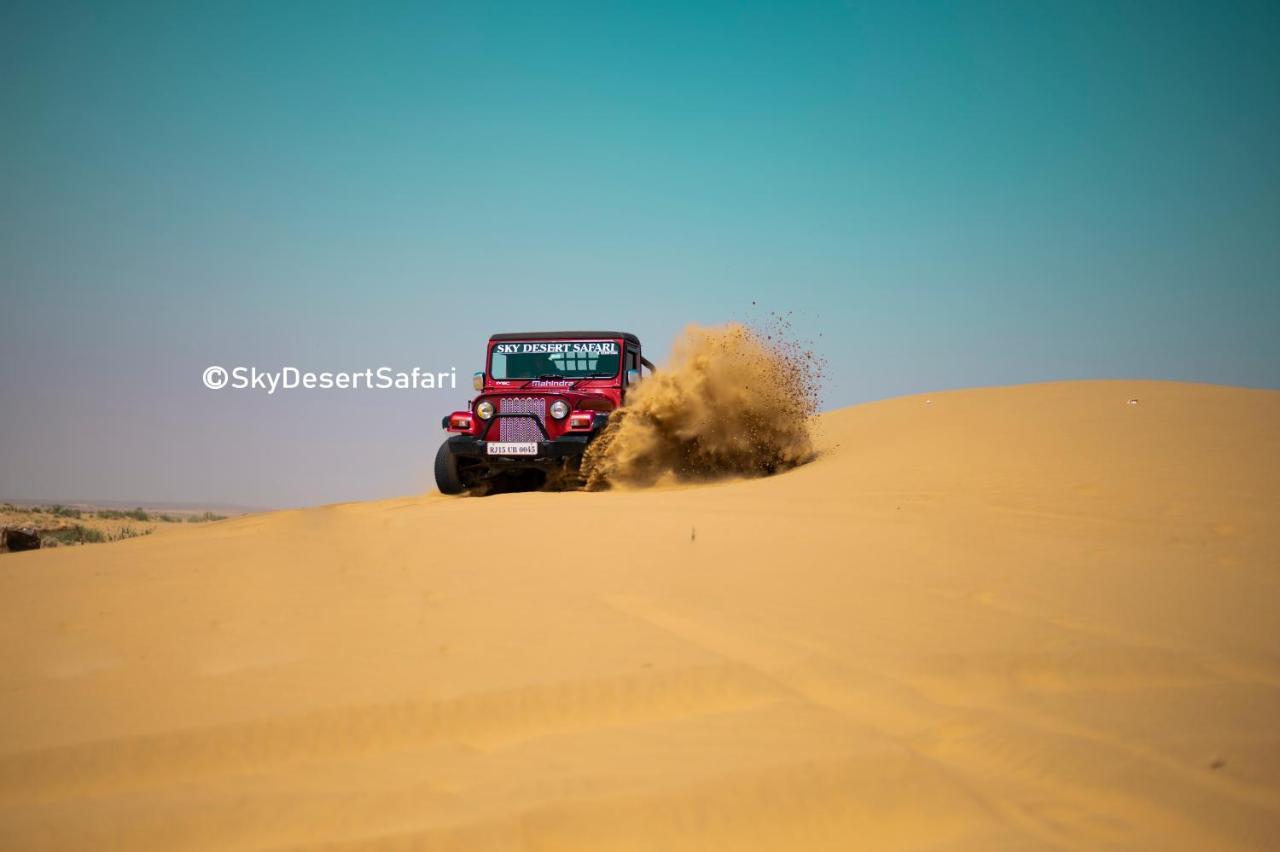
(542, 397)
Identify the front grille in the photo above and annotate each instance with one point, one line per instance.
(521, 428)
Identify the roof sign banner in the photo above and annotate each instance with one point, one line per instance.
(597, 347)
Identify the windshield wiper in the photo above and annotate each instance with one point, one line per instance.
(545, 377)
(590, 377)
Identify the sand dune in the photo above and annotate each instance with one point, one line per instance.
(1015, 618)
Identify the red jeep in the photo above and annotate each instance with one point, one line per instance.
(543, 397)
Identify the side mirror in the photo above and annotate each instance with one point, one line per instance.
(477, 380)
(633, 377)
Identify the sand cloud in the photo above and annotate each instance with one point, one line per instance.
(733, 401)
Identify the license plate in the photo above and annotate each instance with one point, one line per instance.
(512, 448)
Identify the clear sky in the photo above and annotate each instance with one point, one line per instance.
(949, 194)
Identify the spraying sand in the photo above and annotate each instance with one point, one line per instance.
(1035, 617)
(732, 402)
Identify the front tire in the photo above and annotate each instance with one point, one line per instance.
(447, 478)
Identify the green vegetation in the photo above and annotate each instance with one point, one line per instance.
(58, 525)
(207, 516)
(138, 514)
(75, 534)
(80, 534)
(165, 517)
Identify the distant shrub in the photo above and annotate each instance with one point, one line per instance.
(129, 532)
(207, 516)
(62, 511)
(75, 534)
(168, 519)
(116, 515)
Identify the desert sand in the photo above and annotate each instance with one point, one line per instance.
(1035, 617)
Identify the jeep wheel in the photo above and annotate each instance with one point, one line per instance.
(447, 478)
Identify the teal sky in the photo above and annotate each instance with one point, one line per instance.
(949, 194)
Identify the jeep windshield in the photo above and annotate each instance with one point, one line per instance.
(554, 359)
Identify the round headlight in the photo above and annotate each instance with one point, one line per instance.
(484, 410)
(559, 409)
